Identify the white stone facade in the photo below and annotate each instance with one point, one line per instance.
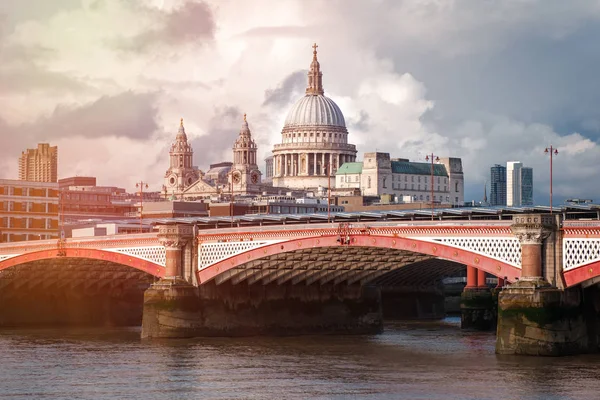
(378, 175)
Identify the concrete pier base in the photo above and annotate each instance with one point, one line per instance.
(413, 303)
(478, 309)
(537, 319)
(175, 309)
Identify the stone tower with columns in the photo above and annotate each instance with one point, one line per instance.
(245, 177)
(181, 173)
(314, 139)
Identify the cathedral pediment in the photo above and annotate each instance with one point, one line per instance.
(200, 187)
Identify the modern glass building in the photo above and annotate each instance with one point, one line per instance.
(498, 185)
(526, 186)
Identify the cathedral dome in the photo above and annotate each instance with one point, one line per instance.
(315, 110)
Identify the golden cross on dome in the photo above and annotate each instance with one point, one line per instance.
(314, 46)
(244, 116)
(181, 122)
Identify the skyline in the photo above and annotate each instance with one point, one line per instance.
(96, 77)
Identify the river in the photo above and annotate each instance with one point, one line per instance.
(433, 360)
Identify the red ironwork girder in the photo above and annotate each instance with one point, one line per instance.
(487, 264)
(118, 258)
(581, 274)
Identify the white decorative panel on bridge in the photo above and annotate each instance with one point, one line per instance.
(155, 254)
(580, 251)
(210, 253)
(6, 257)
(505, 249)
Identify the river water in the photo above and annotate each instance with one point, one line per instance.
(434, 360)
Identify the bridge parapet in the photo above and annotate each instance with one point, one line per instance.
(144, 246)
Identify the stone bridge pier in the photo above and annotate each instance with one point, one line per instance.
(178, 307)
(537, 315)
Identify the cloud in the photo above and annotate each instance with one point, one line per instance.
(485, 81)
(222, 131)
(287, 91)
(190, 23)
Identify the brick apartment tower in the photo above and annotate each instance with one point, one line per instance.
(39, 165)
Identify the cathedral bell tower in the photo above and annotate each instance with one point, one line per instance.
(245, 175)
(181, 173)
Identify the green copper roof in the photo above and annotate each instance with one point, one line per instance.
(418, 168)
(350, 168)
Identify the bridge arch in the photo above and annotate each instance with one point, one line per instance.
(422, 247)
(94, 254)
(583, 273)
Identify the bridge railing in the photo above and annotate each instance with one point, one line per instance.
(354, 228)
(98, 242)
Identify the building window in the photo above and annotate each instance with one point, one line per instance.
(419, 179)
(421, 197)
(412, 178)
(405, 178)
(369, 182)
(456, 187)
(456, 200)
(384, 180)
(356, 178)
(427, 197)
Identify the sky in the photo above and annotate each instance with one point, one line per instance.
(488, 81)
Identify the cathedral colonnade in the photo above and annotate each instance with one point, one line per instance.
(309, 163)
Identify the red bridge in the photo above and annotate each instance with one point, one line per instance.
(342, 255)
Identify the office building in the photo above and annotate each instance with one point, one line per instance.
(498, 185)
(28, 210)
(39, 165)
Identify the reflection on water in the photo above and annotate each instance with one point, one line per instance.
(434, 360)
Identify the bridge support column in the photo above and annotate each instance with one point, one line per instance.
(172, 296)
(535, 318)
(477, 306)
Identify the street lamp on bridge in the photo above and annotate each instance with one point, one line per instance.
(553, 152)
(141, 185)
(433, 158)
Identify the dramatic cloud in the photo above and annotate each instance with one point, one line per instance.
(186, 24)
(486, 81)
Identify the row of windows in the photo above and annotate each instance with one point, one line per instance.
(435, 198)
(325, 135)
(28, 191)
(396, 178)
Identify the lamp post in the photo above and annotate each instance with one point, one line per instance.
(553, 152)
(141, 185)
(433, 158)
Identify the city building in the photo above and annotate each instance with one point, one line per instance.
(39, 165)
(497, 185)
(526, 186)
(314, 139)
(28, 210)
(379, 175)
(513, 183)
(218, 174)
(82, 200)
(181, 173)
(519, 184)
(268, 179)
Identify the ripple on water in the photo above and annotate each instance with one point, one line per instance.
(432, 360)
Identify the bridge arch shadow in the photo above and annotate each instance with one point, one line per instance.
(74, 287)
